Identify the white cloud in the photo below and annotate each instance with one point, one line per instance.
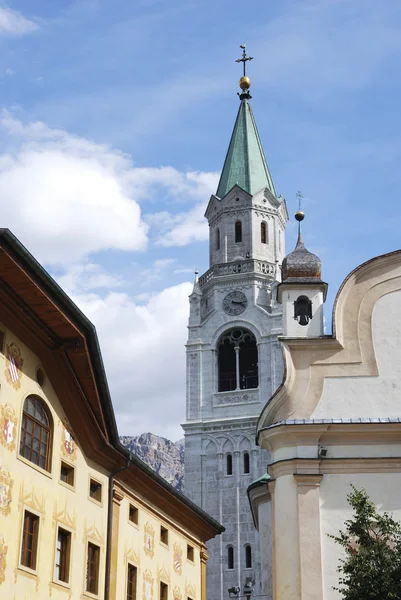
(10, 72)
(89, 276)
(67, 197)
(190, 226)
(144, 355)
(14, 23)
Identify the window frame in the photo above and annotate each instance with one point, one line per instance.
(35, 535)
(56, 579)
(132, 596)
(229, 461)
(264, 237)
(99, 487)
(190, 553)
(25, 418)
(246, 462)
(135, 521)
(218, 241)
(164, 534)
(238, 232)
(70, 486)
(97, 567)
(163, 587)
(230, 559)
(248, 555)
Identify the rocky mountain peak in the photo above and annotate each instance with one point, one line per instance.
(160, 454)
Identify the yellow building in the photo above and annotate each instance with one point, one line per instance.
(80, 516)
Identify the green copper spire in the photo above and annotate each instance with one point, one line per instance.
(245, 162)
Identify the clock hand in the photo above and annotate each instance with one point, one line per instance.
(237, 301)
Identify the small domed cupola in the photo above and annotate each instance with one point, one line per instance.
(301, 291)
(300, 263)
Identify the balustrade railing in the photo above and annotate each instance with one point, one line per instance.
(235, 268)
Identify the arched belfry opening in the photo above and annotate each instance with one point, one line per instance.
(303, 310)
(237, 361)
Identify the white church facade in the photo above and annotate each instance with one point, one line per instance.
(334, 421)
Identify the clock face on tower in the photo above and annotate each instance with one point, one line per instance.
(235, 303)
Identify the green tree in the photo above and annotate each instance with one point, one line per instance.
(371, 568)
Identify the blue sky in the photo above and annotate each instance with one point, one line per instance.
(116, 119)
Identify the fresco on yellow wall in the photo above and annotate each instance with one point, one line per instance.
(6, 484)
(8, 426)
(177, 558)
(3, 555)
(68, 441)
(190, 591)
(149, 540)
(14, 362)
(147, 585)
(163, 575)
(32, 498)
(177, 593)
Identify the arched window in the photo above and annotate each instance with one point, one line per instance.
(263, 233)
(229, 464)
(238, 361)
(230, 557)
(248, 556)
(303, 310)
(36, 433)
(246, 462)
(218, 238)
(238, 232)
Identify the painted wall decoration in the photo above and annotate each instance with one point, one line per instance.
(6, 484)
(147, 585)
(177, 593)
(14, 362)
(8, 426)
(177, 558)
(149, 540)
(190, 591)
(3, 559)
(68, 441)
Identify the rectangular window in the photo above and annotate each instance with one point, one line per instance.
(67, 473)
(95, 490)
(63, 552)
(92, 568)
(190, 553)
(29, 546)
(163, 591)
(164, 535)
(133, 514)
(131, 582)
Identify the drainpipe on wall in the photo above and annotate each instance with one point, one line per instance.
(109, 529)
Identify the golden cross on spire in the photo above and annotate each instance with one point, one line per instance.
(244, 58)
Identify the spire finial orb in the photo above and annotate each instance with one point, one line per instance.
(244, 82)
(299, 215)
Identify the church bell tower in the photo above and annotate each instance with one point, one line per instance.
(234, 361)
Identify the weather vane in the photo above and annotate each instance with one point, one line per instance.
(244, 58)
